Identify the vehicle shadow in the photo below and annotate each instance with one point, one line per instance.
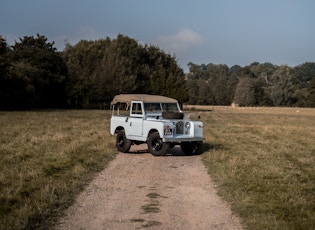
(143, 149)
(175, 151)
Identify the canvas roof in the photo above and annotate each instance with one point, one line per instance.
(127, 98)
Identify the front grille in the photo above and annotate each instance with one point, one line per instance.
(180, 129)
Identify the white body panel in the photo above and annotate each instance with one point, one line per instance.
(141, 118)
(138, 129)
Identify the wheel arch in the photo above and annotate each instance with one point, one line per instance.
(119, 128)
(152, 131)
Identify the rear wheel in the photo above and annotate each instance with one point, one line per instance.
(156, 145)
(192, 148)
(122, 143)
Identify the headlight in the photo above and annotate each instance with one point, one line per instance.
(187, 125)
(187, 128)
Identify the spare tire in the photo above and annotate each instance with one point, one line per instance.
(172, 115)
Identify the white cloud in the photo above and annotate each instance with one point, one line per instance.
(180, 41)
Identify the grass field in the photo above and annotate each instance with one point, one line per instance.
(46, 159)
(263, 162)
(261, 159)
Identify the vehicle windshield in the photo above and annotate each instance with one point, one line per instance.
(171, 107)
(159, 107)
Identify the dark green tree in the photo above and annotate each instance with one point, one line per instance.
(212, 82)
(197, 72)
(282, 86)
(99, 70)
(4, 50)
(166, 77)
(304, 73)
(245, 92)
(37, 74)
(84, 61)
(263, 73)
(4, 74)
(218, 81)
(310, 98)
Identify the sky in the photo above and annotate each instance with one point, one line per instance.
(231, 32)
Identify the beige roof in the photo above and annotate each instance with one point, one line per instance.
(127, 98)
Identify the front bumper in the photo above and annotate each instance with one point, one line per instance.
(182, 139)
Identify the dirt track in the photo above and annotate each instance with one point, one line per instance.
(140, 191)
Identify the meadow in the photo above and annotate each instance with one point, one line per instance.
(46, 159)
(261, 160)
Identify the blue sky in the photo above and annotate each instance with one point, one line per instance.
(199, 31)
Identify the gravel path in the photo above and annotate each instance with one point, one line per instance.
(140, 191)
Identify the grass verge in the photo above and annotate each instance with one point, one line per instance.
(263, 162)
(46, 159)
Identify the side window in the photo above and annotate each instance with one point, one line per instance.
(121, 109)
(136, 108)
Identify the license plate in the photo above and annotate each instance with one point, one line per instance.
(167, 132)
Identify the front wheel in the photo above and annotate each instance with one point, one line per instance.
(192, 148)
(122, 143)
(156, 145)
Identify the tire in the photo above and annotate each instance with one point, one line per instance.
(122, 143)
(192, 148)
(156, 145)
(172, 115)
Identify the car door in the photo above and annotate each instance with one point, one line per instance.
(135, 121)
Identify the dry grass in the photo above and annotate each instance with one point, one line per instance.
(263, 161)
(46, 159)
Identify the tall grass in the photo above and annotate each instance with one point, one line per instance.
(263, 162)
(46, 158)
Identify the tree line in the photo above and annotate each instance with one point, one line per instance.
(259, 84)
(34, 75)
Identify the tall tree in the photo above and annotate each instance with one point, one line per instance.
(38, 74)
(85, 71)
(245, 92)
(282, 86)
(4, 50)
(98, 70)
(310, 100)
(4, 74)
(166, 77)
(212, 81)
(305, 73)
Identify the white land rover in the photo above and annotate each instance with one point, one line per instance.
(155, 120)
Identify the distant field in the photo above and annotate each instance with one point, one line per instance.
(262, 160)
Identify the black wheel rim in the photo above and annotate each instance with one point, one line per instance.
(157, 144)
(194, 148)
(121, 142)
